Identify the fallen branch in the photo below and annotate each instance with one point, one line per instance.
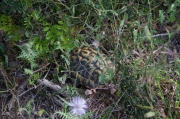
(49, 84)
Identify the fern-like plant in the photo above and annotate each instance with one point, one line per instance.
(29, 54)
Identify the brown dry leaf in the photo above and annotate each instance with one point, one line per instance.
(100, 86)
(113, 90)
(111, 85)
(169, 28)
(94, 90)
(88, 92)
(163, 113)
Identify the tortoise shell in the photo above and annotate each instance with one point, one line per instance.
(86, 65)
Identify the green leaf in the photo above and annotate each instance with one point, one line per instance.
(60, 22)
(148, 33)
(40, 47)
(177, 72)
(36, 16)
(28, 71)
(149, 114)
(37, 46)
(172, 8)
(40, 112)
(161, 15)
(6, 60)
(46, 48)
(27, 34)
(52, 41)
(59, 33)
(46, 29)
(48, 37)
(48, 34)
(135, 34)
(172, 17)
(59, 27)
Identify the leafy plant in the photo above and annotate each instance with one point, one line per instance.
(29, 54)
(174, 11)
(33, 77)
(28, 107)
(57, 37)
(8, 27)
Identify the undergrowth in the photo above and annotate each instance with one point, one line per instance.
(137, 33)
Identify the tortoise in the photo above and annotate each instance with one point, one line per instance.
(87, 64)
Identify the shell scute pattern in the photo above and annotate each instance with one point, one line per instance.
(86, 65)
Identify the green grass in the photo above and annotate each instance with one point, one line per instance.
(147, 83)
